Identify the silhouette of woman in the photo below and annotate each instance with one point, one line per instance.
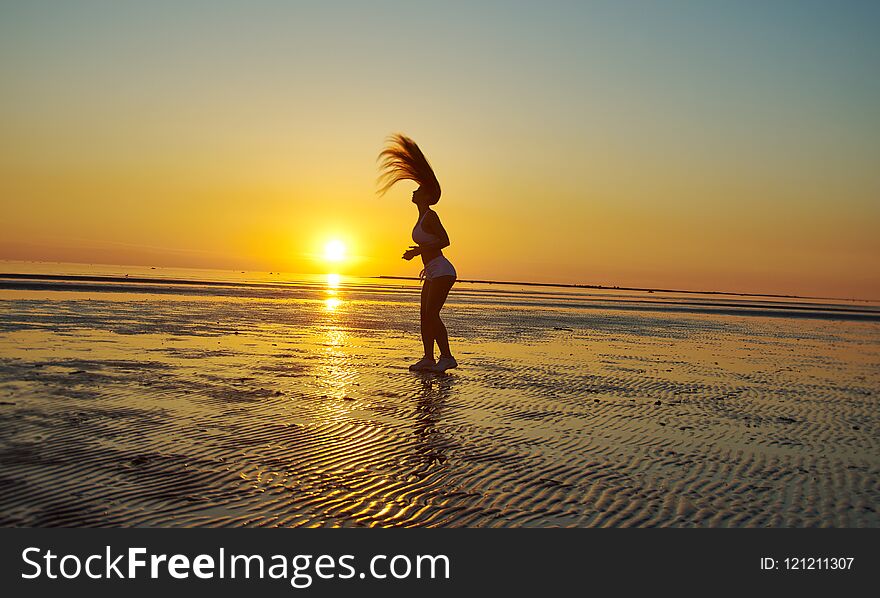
(403, 160)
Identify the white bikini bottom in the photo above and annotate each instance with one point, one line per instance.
(439, 266)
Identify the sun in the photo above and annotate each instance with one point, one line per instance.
(334, 251)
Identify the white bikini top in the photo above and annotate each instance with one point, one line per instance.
(420, 235)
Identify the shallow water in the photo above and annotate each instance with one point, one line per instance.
(266, 401)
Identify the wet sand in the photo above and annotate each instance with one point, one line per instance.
(160, 404)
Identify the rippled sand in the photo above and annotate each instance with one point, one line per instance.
(295, 407)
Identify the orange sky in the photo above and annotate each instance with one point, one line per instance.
(600, 146)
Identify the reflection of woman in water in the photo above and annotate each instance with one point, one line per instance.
(400, 160)
(432, 444)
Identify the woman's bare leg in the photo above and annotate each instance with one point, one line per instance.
(436, 297)
(425, 324)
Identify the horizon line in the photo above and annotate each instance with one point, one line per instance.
(472, 281)
(643, 289)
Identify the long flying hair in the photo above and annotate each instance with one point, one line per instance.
(401, 160)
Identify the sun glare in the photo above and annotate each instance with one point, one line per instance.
(334, 251)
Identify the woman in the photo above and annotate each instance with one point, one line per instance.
(401, 160)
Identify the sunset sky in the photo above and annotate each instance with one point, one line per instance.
(703, 145)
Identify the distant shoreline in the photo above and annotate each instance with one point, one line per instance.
(647, 290)
(148, 278)
(717, 301)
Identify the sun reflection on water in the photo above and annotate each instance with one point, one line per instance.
(333, 301)
(335, 374)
